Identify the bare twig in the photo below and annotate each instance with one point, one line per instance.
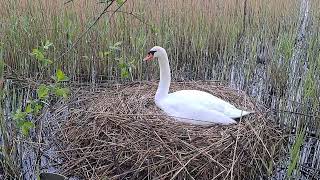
(67, 2)
(105, 10)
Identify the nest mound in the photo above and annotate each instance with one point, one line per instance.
(118, 133)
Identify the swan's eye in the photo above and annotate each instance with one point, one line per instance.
(151, 52)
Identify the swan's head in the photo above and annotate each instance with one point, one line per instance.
(155, 52)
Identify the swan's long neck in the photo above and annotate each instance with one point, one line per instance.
(165, 77)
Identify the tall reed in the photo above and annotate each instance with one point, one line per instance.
(199, 35)
(247, 43)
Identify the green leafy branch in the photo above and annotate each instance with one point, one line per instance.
(45, 92)
(40, 53)
(124, 66)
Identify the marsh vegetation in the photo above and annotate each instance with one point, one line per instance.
(269, 49)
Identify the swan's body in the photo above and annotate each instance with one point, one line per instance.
(190, 106)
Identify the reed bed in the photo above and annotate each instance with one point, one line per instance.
(119, 133)
(198, 35)
(248, 43)
(204, 40)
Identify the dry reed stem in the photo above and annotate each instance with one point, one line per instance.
(118, 132)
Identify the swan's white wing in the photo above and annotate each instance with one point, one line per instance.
(203, 99)
(191, 104)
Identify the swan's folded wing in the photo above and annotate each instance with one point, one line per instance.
(202, 99)
(194, 113)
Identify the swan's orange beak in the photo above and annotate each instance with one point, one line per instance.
(149, 57)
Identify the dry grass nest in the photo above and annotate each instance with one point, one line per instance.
(117, 132)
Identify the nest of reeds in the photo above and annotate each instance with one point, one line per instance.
(118, 133)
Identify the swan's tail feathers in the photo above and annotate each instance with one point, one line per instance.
(220, 118)
(244, 113)
(240, 113)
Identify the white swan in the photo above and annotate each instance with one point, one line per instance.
(190, 106)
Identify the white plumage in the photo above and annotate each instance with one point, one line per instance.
(190, 106)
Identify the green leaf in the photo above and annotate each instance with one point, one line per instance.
(60, 76)
(26, 126)
(19, 115)
(62, 92)
(47, 61)
(104, 1)
(123, 65)
(120, 2)
(43, 91)
(38, 54)
(37, 108)
(29, 108)
(124, 73)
